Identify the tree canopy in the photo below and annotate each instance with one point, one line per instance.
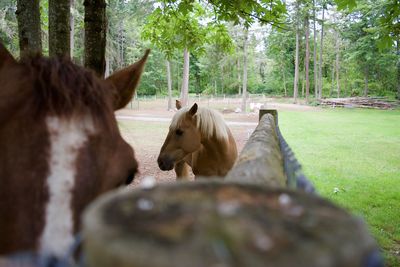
(360, 50)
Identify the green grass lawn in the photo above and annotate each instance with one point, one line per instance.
(357, 152)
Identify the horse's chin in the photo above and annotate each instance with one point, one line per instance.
(166, 168)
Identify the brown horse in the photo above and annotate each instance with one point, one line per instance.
(199, 138)
(60, 147)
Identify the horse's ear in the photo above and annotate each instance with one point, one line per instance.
(126, 81)
(5, 57)
(178, 104)
(193, 109)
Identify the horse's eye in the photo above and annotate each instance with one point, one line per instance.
(179, 132)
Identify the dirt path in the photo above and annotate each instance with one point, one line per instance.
(163, 119)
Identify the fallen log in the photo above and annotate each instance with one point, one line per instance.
(212, 223)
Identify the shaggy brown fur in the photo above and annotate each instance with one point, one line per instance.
(31, 91)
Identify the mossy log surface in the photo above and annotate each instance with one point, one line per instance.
(216, 224)
(261, 159)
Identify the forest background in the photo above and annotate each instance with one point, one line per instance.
(303, 49)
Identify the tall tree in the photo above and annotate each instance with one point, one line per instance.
(29, 32)
(366, 80)
(95, 35)
(337, 61)
(185, 78)
(169, 84)
(72, 25)
(296, 60)
(238, 76)
(170, 29)
(320, 82)
(398, 69)
(59, 28)
(244, 86)
(307, 58)
(315, 51)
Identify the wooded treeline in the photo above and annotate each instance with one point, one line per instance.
(304, 48)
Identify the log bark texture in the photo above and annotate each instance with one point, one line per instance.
(212, 223)
(260, 160)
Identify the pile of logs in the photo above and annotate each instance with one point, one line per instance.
(361, 102)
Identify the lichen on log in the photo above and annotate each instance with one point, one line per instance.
(215, 223)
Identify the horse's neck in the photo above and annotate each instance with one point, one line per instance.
(215, 157)
(213, 146)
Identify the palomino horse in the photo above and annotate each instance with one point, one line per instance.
(199, 138)
(60, 147)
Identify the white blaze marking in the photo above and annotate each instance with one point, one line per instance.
(66, 139)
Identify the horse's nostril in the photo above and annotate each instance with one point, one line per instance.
(161, 164)
(165, 163)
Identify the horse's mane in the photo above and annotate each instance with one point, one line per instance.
(59, 87)
(209, 122)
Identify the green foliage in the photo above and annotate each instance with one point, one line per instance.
(387, 13)
(346, 4)
(8, 26)
(366, 30)
(180, 27)
(237, 11)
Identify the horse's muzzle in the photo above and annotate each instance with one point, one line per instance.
(165, 163)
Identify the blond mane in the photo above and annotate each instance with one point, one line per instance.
(209, 122)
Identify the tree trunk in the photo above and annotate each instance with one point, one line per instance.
(244, 87)
(320, 54)
(366, 74)
(222, 77)
(303, 83)
(178, 78)
(332, 79)
(398, 79)
(59, 28)
(315, 54)
(337, 64)
(29, 33)
(95, 35)
(169, 82)
(398, 70)
(307, 59)
(72, 34)
(296, 60)
(107, 70)
(238, 76)
(346, 83)
(185, 78)
(284, 80)
(121, 43)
